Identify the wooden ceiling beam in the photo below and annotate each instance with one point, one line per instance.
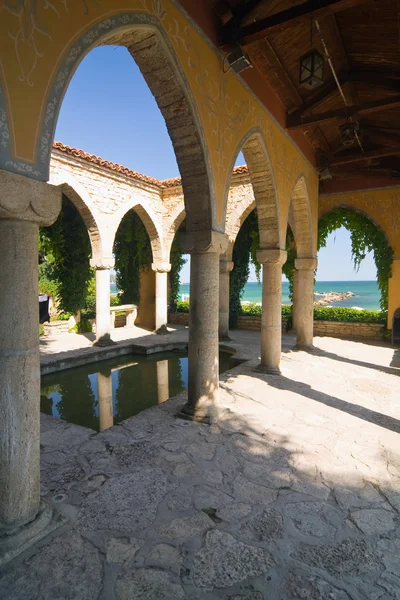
(294, 121)
(255, 31)
(351, 158)
(319, 96)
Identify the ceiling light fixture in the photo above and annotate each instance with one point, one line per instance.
(238, 59)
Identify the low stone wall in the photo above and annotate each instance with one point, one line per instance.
(178, 318)
(253, 323)
(371, 331)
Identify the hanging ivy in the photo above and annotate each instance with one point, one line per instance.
(64, 253)
(177, 262)
(288, 266)
(132, 251)
(365, 237)
(244, 251)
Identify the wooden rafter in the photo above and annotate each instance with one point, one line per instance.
(295, 121)
(351, 158)
(255, 31)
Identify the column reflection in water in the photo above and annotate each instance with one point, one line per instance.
(104, 390)
(162, 381)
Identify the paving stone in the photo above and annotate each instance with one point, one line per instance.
(311, 487)
(133, 455)
(307, 518)
(268, 474)
(187, 469)
(180, 500)
(136, 495)
(234, 511)
(186, 527)
(252, 492)
(171, 446)
(122, 550)
(264, 527)
(224, 562)
(352, 557)
(366, 497)
(391, 583)
(248, 596)
(147, 584)
(309, 587)
(202, 450)
(67, 568)
(390, 550)
(166, 557)
(214, 477)
(374, 521)
(207, 497)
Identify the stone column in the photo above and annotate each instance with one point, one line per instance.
(24, 205)
(225, 267)
(161, 271)
(104, 391)
(303, 301)
(271, 318)
(162, 381)
(102, 266)
(205, 249)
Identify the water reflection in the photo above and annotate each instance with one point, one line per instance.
(102, 394)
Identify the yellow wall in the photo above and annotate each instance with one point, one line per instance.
(32, 72)
(382, 206)
(147, 305)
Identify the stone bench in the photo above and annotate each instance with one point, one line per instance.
(129, 309)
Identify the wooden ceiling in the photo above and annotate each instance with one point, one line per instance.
(362, 38)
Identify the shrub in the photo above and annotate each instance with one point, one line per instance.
(41, 330)
(349, 315)
(182, 307)
(115, 300)
(84, 326)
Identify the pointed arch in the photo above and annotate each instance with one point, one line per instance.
(148, 219)
(82, 201)
(265, 197)
(147, 42)
(300, 219)
(176, 221)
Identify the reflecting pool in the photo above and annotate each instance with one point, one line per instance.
(102, 394)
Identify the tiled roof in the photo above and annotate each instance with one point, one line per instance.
(174, 182)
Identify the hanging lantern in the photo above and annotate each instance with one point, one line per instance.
(311, 70)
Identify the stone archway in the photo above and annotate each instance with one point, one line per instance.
(300, 219)
(148, 44)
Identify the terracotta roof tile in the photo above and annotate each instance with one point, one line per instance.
(174, 182)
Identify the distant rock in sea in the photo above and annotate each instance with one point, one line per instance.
(327, 298)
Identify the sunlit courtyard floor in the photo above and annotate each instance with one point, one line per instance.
(295, 494)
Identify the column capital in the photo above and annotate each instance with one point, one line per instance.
(225, 266)
(25, 199)
(161, 267)
(305, 264)
(271, 255)
(199, 242)
(102, 263)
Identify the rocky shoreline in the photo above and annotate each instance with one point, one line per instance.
(327, 298)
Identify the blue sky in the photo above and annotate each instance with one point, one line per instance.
(108, 110)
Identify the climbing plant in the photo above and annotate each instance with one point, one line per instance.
(177, 262)
(132, 251)
(288, 266)
(365, 237)
(64, 252)
(244, 252)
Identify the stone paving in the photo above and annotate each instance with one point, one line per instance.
(294, 494)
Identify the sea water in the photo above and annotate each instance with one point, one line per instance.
(366, 296)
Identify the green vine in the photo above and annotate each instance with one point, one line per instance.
(365, 237)
(64, 252)
(177, 262)
(244, 251)
(132, 251)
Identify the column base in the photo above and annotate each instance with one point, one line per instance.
(224, 337)
(268, 370)
(198, 415)
(104, 341)
(19, 540)
(304, 347)
(163, 330)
